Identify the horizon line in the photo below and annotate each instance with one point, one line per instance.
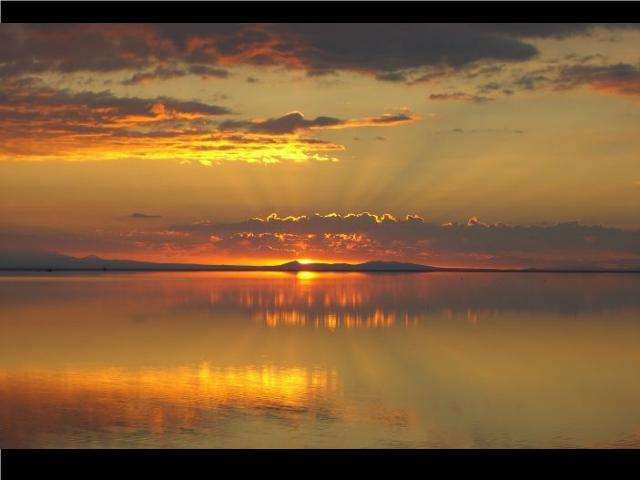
(369, 266)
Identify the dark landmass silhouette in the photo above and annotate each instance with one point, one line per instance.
(93, 262)
(58, 262)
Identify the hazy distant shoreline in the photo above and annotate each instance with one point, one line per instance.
(54, 262)
(328, 270)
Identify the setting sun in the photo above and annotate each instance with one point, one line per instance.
(307, 261)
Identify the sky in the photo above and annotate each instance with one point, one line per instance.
(493, 145)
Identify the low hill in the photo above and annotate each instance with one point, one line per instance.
(375, 266)
(55, 261)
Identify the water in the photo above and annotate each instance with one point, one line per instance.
(269, 360)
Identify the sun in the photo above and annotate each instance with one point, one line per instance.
(306, 261)
(306, 276)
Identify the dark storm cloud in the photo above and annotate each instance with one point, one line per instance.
(69, 48)
(549, 30)
(390, 48)
(232, 37)
(101, 48)
(386, 51)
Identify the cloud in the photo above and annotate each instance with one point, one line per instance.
(168, 73)
(460, 97)
(483, 130)
(387, 119)
(205, 71)
(386, 51)
(397, 53)
(618, 79)
(295, 121)
(408, 53)
(352, 237)
(392, 77)
(138, 215)
(289, 123)
(150, 50)
(551, 30)
(32, 48)
(101, 126)
(159, 73)
(493, 87)
(621, 79)
(86, 125)
(473, 243)
(383, 50)
(29, 95)
(572, 72)
(530, 80)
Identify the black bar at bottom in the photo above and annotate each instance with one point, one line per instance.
(129, 463)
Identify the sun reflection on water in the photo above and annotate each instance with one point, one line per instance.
(306, 276)
(156, 399)
(333, 320)
(305, 359)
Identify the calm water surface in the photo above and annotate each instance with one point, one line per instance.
(319, 360)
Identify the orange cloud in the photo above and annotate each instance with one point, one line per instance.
(79, 126)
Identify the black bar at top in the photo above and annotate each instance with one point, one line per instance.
(314, 11)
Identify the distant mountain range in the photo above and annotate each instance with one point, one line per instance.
(375, 266)
(54, 261)
(59, 262)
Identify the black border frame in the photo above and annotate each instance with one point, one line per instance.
(304, 463)
(128, 463)
(319, 11)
